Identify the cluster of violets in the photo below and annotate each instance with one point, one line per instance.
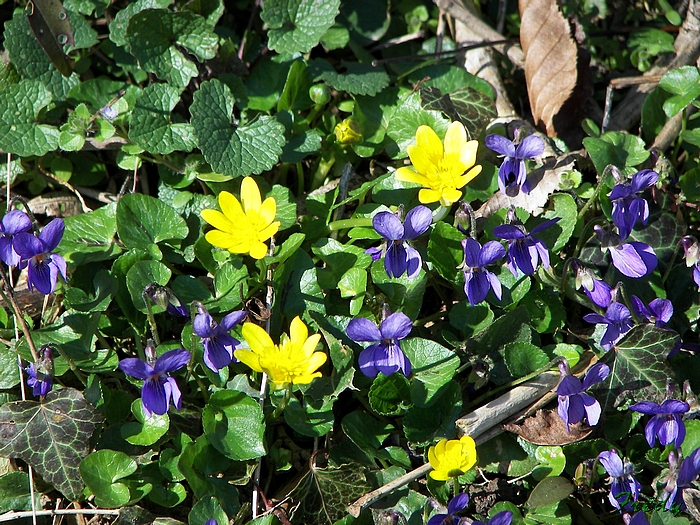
(457, 504)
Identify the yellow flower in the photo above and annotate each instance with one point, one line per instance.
(452, 458)
(292, 361)
(442, 170)
(243, 229)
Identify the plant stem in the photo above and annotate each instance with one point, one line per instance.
(151, 319)
(283, 403)
(596, 194)
(350, 223)
(9, 298)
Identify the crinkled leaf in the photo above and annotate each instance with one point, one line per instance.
(150, 125)
(297, 25)
(390, 395)
(466, 105)
(233, 423)
(84, 36)
(143, 220)
(638, 361)
(30, 59)
(52, 436)
(118, 27)
(102, 471)
(19, 132)
(154, 34)
(355, 78)
(237, 151)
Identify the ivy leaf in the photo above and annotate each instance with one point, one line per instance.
(356, 78)
(153, 35)
(102, 471)
(236, 151)
(143, 220)
(233, 423)
(150, 125)
(52, 436)
(19, 132)
(298, 25)
(472, 108)
(30, 59)
(639, 361)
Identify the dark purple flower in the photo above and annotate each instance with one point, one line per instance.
(692, 256)
(512, 174)
(658, 312)
(166, 299)
(477, 279)
(400, 257)
(597, 290)
(40, 382)
(684, 476)
(627, 207)
(43, 266)
(638, 519)
(218, 344)
(158, 387)
(618, 320)
(385, 355)
(633, 259)
(524, 250)
(502, 518)
(456, 504)
(667, 423)
(574, 404)
(12, 223)
(624, 488)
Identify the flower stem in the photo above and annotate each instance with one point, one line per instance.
(596, 194)
(440, 213)
(670, 263)
(9, 299)
(151, 318)
(350, 223)
(81, 377)
(283, 403)
(455, 486)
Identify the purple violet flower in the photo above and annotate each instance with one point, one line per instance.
(624, 487)
(692, 256)
(627, 207)
(43, 266)
(633, 259)
(619, 321)
(477, 279)
(685, 475)
(12, 223)
(512, 175)
(166, 299)
(218, 344)
(502, 518)
(638, 519)
(658, 312)
(667, 423)
(524, 250)
(574, 405)
(400, 257)
(158, 387)
(456, 504)
(597, 290)
(39, 373)
(385, 355)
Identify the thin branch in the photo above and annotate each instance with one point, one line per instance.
(9, 516)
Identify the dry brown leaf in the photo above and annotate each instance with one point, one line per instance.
(544, 181)
(550, 59)
(547, 428)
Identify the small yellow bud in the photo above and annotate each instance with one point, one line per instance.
(348, 132)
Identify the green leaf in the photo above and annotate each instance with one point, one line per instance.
(339, 259)
(154, 34)
(549, 491)
(102, 471)
(373, 114)
(472, 108)
(653, 115)
(30, 59)
(19, 132)
(557, 235)
(390, 395)
(205, 510)
(297, 25)
(547, 313)
(684, 84)
(52, 436)
(228, 282)
(233, 423)
(302, 293)
(239, 151)
(367, 20)
(9, 371)
(445, 251)
(524, 358)
(617, 148)
(403, 294)
(639, 361)
(355, 78)
(15, 493)
(311, 418)
(405, 121)
(365, 431)
(118, 27)
(422, 425)
(433, 367)
(150, 125)
(84, 35)
(469, 319)
(147, 430)
(143, 220)
(140, 275)
(295, 95)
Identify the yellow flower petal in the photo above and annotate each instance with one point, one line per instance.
(231, 207)
(248, 358)
(250, 195)
(455, 139)
(258, 250)
(468, 154)
(472, 173)
(257, 338)
(426, 196)
(298, 331)
(429, 143)
(268, 232)
(408, 175)
(449, 197)
(268, 210)
(217, 219)
(220, 239)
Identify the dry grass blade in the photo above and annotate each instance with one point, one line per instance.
(550, 59)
